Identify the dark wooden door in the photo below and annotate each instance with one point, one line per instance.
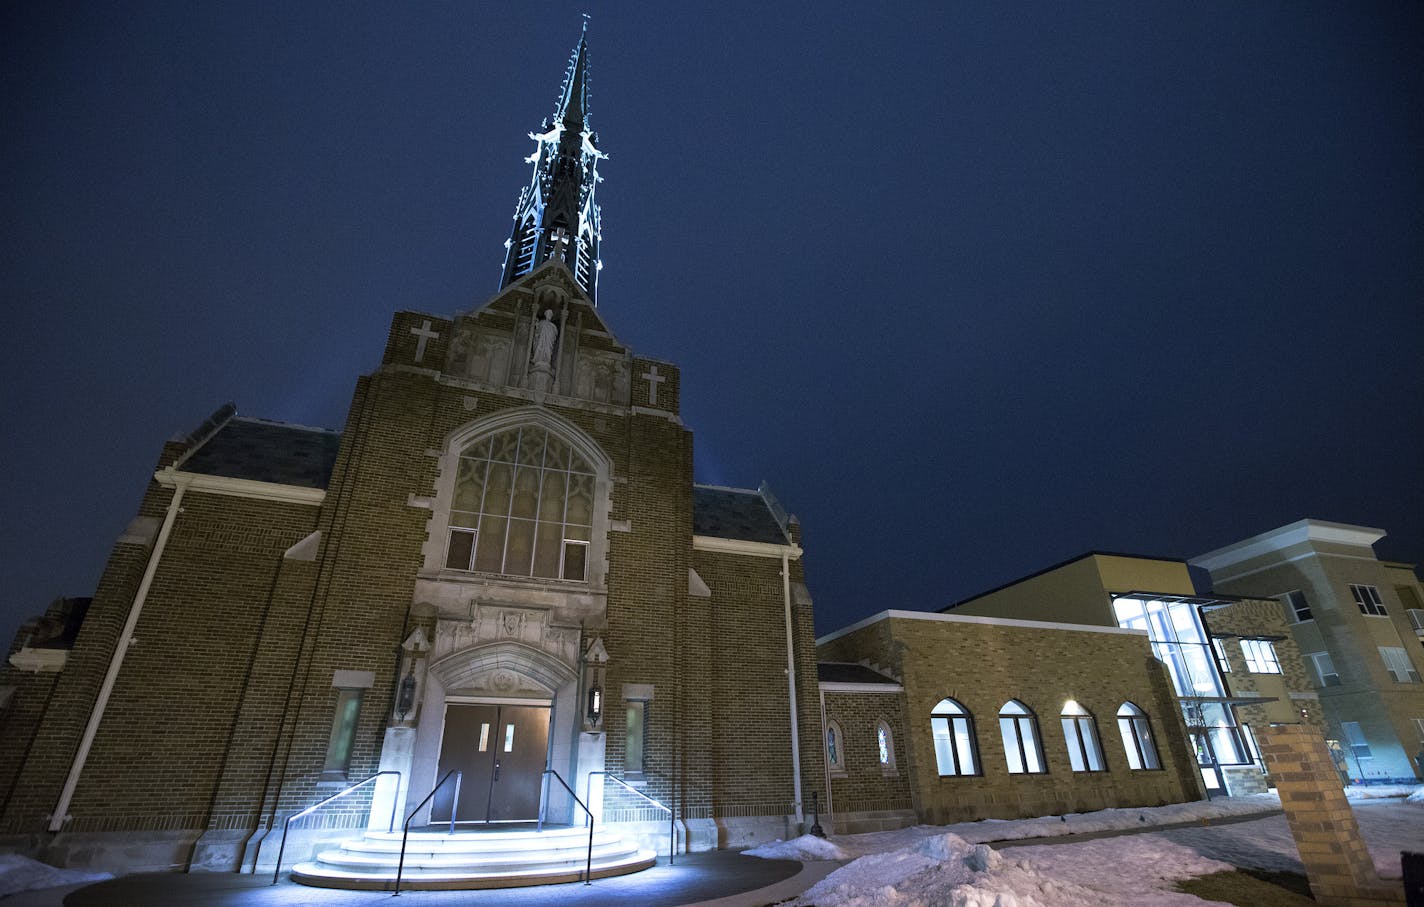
(501, 751)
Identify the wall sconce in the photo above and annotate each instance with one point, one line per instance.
(405, 699)
(595, 704)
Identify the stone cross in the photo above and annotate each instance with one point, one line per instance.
(426, 335)
(653, 379)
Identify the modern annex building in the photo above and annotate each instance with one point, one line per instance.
(1357, 621)
(500, 563)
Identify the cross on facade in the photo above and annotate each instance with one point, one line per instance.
(426, 335)
(653, 379)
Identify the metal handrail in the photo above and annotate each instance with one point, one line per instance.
(672, 817)
(588, 863)
(405, 835)
(286, 826)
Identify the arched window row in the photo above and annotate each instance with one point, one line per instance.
(836, 747)
(957, 750)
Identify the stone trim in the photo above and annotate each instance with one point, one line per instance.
(241, 488)
(967, 619)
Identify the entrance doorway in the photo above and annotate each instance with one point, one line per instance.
(501, 750)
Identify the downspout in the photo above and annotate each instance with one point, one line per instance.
(791, 686)
(826, 757)
(96, 715)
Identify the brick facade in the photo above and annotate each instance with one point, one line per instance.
(982, 664)
(265, 595)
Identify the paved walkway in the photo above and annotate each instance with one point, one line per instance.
(714, 879)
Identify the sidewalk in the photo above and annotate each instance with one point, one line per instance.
(713, 879)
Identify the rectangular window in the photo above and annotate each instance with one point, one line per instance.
(1324, 669)
(462, 548)
(1368, 598)
(1356, 739)
(1419, 729)
(343, 735)
(634, 738)
(1399, 665)
(1297, 605)
(1260, 656)
(575, 559)
(1416, 619)
(1219, 647)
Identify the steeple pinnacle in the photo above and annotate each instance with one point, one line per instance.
(556, 217)
(572, 111)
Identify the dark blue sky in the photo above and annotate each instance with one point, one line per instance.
(976, 287)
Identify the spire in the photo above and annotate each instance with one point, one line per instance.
(556, 216)
(572, 111)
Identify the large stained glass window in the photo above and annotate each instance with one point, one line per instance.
(522, 506)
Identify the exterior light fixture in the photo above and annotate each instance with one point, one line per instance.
(595, 704)
(405, 699)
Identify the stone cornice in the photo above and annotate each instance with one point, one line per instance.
(241, 488)
(738, 546)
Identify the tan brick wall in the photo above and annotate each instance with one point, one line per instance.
(982, 667)
(866, 785)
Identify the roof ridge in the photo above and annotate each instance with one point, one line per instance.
(727, 488)
(298, 425)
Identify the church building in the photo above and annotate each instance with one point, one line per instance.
(500, 564)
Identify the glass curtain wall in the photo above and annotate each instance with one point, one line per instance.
(1179, 641)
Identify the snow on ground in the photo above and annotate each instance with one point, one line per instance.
(806, 847)
(942, 865)
(19, 874)
(1381, 791)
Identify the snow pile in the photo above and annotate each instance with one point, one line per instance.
(806, 847)
(1378, 791)
(948, 870)
(19, 873)
(987, 830)
(1416, 797)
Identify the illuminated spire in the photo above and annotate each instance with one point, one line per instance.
(556, 217)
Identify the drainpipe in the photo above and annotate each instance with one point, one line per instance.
(96, 715)
(791, 686)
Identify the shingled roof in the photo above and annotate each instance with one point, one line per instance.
(844, 672)
(264, 451)
(735, 513)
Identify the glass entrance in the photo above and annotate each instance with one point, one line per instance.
(501, 750)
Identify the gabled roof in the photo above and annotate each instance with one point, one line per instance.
(735, 513)
(844, 672)
(264, 451)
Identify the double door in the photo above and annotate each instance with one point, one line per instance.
(501, 750)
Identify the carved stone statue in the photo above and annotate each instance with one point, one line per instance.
(545, 334)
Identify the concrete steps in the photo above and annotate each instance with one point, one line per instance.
(471, 859)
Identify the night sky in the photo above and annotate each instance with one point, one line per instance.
(975, 287)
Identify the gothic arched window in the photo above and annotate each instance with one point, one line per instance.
(1020, 732)
(522, 506)
(885, 747)
(953, 730)
(1081, 733)
(1137, 737)
(835, 747)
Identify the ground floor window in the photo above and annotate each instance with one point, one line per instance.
(343, 735)
(953, 732)
(1081, 733)
(1020, 733)
(1136, 734)
(885, 746)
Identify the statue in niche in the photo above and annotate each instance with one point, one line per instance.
(545, 333)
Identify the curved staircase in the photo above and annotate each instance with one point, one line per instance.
(472, 859)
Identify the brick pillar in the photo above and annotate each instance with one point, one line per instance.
(1336, 860)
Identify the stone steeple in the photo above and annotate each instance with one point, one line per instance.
(557, 217)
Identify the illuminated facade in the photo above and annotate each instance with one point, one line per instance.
(500, 565)
(1356, 621)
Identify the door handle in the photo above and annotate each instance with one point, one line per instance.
(496, 769)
